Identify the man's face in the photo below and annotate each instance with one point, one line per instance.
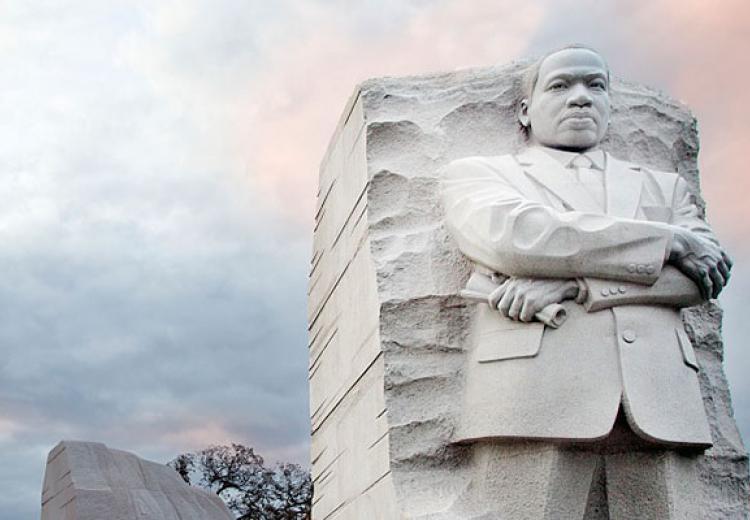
(569, 107)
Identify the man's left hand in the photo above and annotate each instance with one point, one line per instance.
(705, 262)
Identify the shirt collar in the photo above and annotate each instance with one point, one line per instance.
(597, 156)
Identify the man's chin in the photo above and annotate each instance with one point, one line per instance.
(577, 141)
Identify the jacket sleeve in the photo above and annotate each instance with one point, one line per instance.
(686, 214)
(672, 288)
(496, 222)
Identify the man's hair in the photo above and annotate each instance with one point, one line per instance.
(531, 74)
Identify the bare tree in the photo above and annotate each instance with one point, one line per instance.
(292, 489)
(252, 491)
(184, 465)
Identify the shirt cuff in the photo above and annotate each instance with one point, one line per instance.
(583, 291)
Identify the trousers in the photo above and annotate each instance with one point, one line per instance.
(621, 477)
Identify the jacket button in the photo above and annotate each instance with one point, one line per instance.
(605, 292)
(628, 335)
(631, 268)
(613, 290)
(641, 269)
(622, 289)
(650, 269)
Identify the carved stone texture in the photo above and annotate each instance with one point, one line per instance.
(89, 481)
(389, 333)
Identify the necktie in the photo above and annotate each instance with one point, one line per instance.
(590, 178)
(581, 161)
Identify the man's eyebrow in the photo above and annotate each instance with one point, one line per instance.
(568, 76)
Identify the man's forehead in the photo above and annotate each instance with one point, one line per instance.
(572, 62)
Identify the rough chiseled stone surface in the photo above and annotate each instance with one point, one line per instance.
(88, 481)
(388, 334)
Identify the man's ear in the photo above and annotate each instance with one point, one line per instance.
(523, 112)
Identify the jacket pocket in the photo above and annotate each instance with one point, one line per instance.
(688, 353)
(501, 339)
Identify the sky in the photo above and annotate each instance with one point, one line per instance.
(158, 172)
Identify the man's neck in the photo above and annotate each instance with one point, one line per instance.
(569, 149)
(596, 155)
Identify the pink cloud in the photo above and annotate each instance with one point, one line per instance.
(700, 49)
(298, 99)
(199, 435)
(204, 432)
(8, 428)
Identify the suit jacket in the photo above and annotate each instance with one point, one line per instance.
(526, 216)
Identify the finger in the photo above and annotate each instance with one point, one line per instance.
(515, 307)
(506, 300)
(691, 270)
(718, 281)
(707, 284)
(724, 270)
(494, 298)
(528, 310)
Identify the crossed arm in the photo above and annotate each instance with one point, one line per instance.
(524, 297)
(553, 256)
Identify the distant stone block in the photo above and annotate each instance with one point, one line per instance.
(89, 481)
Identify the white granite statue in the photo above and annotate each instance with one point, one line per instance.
(622, 248)
(494, 309)
(88, 481)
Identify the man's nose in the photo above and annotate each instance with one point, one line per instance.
(580, 97)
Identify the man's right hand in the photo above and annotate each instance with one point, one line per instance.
(701, 260)
(522, 297)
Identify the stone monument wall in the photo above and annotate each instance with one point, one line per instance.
(89, 481)
(388, 333)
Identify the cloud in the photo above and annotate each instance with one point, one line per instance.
(150, 298)
(330, 49)
(159, 167)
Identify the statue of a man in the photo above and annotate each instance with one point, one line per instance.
(610, 399)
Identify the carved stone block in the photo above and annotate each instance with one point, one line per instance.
(88, 481)
(388, 332)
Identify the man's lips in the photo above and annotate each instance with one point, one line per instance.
(581, 116)
(579, 121)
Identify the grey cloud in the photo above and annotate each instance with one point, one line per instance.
(146, 291)
(736, 330)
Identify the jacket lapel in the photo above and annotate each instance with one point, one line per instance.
(548, 172)
(623, 183)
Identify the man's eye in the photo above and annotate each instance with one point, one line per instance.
(557, 86)
(598, 84)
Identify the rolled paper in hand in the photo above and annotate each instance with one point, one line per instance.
(480, 287)
(553, 315)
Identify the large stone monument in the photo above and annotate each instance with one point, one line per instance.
(511, 310)
(88, 481)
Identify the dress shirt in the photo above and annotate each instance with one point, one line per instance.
(587, 170)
